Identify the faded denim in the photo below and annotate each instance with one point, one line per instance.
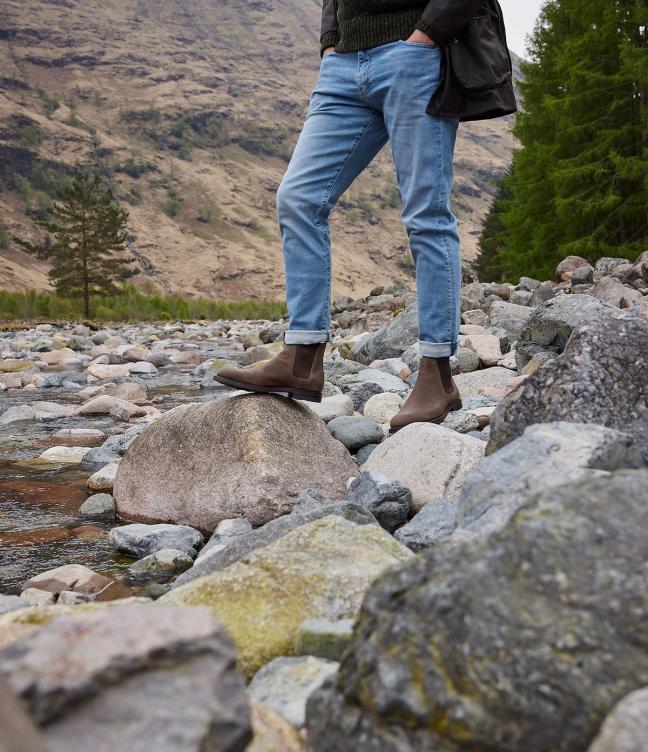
(361, 100)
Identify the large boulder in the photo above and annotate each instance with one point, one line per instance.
(131, 677)
(600, 378)
(547, 454)
(430, 460)
(524, 641)
(552, 323)
(243, 456)
(319, 570)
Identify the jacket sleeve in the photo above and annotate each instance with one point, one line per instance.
(443, 19)
(329, 29)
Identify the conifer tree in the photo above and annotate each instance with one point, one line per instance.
(86, 252)
(579, 183)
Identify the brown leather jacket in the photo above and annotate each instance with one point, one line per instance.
(476, 72)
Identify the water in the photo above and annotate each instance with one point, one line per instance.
(40, 527)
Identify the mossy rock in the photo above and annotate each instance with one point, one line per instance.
(319, 570)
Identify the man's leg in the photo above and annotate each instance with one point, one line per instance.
(341, 135)
(423, 148)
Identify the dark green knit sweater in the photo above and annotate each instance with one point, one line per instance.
(369, 23)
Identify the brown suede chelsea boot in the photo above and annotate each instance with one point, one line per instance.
(297, 372)
(434, 395)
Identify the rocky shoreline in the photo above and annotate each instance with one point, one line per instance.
(206, 569)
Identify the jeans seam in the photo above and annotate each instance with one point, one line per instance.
(321, 227)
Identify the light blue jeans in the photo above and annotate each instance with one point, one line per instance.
(362, 99)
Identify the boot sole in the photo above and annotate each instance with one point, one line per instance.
(302, 394)
(457, 405)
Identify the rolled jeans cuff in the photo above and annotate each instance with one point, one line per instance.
(306, 336)
(436, 349)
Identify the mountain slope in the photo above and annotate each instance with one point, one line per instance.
(192, 107)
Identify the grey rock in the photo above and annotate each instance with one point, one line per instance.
(161, 564)
(606, 265)
(521, 297)
(391, 340)
(568, 266)
(237, 547)
(140, 540)
(17, 413)
(510, 314)
(524, 641)
(626, 727)
(362, 455)
(464, 360)
(475, 316)
(355, 431)
(542, 293)
(99, 506)
(469, 384)
(552, 323)
(528, 284)
(584, 275)
(387, 499)
(285, 684)
(226, 531)
(360, 392)
(435, 522)
(134, 677)
(461, 421)
(324, 638)
(18, 732)
(599, 378)
(386, 381)
(11, 603)
(546, 455)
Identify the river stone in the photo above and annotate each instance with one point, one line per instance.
(391, 340)
(69, 455)
(430, 460)
(319, 570)
(99, 506)
(388, 500)
(331, 407)
(236, 547)
(469, 384)
(285, 684)
(131, 677)
(104, 478)
(17, 413)
(324, 638)
(161, 564)
(568, 265)
(382, 407)
(546, 455)
(244, 456)
(435, 522)
(226, 531)
(355, 431)
(139, 540)
(600, 378)
(524, 641)
(11, 603)
(75, 577)
(551, 324)
(626, 727)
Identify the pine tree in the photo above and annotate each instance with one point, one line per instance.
(488, 264)
(87, 226)
(580, 181)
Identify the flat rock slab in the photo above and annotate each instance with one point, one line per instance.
(244, 456)
(319, 570)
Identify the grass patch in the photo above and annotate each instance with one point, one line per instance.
(132, 305)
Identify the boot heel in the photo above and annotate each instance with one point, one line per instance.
(304, 394)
